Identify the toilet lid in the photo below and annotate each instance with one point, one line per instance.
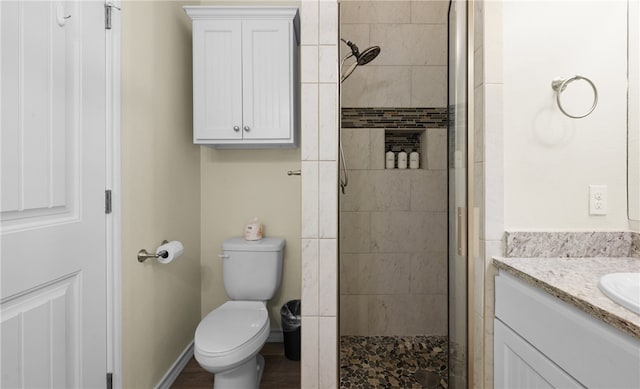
(231, 325)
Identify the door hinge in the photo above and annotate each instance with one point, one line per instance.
(107, 16)
(108, 8)
(107, 201)
(109, 380)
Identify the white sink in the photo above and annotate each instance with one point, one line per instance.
(623, 288)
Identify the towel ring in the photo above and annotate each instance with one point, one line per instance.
(559, 84)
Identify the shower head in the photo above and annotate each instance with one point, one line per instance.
(368, 55)
(363, 58)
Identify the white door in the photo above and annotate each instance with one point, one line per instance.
(53, 291)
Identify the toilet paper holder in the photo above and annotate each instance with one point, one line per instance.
(143, 254)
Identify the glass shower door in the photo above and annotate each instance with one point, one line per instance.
(457, 211)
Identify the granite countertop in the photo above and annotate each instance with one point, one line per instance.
(575, 281)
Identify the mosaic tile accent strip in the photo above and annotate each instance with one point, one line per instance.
(394, 118)
(635, 245)
(398, 140)
(414, 362)
(567, 244)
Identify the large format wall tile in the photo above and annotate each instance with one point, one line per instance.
(377, 149)
(378, 86)
(356, 145)
(370, 274)
(431, 11)
(375, 11)
(328, 277)
(408, 231)
(401, 45)
(309, 351)
(354, 314)
(436, 148)
(309, 180)
(436, 94)
(355, 232)
(309, 122)
(428, 273)
(310, 269)
(429, 190)
(377, 190)
(356, 33)
(408, 315)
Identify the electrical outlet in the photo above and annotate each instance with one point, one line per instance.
(597, 199)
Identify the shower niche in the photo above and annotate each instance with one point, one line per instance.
(408, 141)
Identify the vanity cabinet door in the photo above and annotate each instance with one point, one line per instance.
(217, 80)
(267, 81)
(518, 364)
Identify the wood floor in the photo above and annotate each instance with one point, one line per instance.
(279, 372)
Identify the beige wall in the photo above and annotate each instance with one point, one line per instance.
(550, 160)
(160, 190)
(236, 186)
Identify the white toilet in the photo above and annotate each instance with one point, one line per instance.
(228, 339)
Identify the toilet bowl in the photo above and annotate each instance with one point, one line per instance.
(228, 339)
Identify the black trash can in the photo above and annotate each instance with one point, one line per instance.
(291, 319)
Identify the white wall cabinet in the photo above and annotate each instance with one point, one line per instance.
(543, 342)
(245, 76)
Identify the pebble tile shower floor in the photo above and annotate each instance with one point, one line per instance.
(415, 362)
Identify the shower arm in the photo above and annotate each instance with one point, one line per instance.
(350, 70)
(355, 52)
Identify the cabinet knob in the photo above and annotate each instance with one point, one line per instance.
(246, 128)
(236, 128)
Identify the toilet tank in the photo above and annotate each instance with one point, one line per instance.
(252, 270)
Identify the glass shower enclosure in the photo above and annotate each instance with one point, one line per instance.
(457, 143)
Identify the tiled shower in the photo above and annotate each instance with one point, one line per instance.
(393, 222)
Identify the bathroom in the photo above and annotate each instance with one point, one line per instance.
(527, 178)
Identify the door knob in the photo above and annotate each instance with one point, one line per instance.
(246, 128)
(236, 128)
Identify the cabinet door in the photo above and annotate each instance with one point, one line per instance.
(267, 79)
(217, 80)
(518, 365)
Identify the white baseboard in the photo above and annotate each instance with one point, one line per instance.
(175, 369)
(275, 336)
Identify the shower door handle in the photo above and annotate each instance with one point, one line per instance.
(461, 216)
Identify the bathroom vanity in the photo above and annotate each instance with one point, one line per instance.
(554, 329)
(245, 76)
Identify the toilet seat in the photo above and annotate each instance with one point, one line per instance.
(230, 334)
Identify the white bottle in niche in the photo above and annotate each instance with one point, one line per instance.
(402, 160)
(390, 158)
(414, 160)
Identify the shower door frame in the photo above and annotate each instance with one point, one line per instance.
(468, 238)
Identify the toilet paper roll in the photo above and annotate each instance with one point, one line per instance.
(169, 251)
